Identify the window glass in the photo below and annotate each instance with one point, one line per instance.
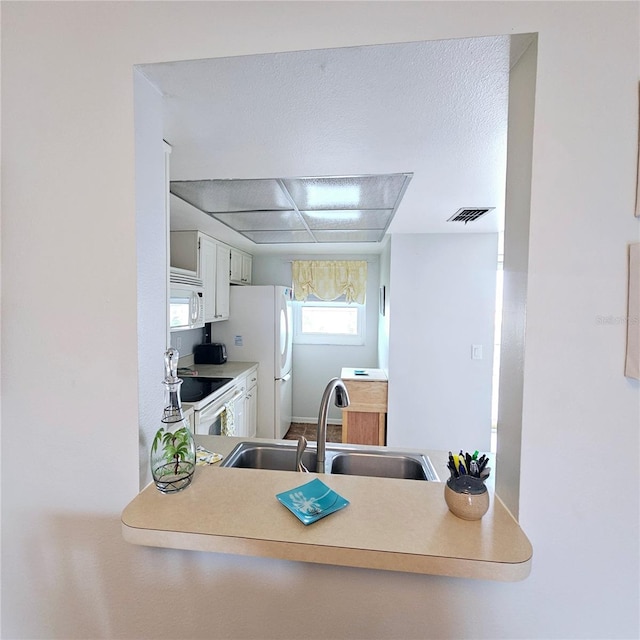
(318, 322)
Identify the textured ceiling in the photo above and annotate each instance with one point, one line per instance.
(436, 109)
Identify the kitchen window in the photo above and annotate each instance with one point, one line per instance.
(336, 322)
(329, 301)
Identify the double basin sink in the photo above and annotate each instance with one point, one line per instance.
(281, 456)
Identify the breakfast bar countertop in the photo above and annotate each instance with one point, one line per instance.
(390, 524)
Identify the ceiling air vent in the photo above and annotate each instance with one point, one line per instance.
(469, 214)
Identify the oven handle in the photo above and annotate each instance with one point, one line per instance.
(205, 414)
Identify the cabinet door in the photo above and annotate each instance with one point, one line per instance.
(239, 411)
(251, 405)
(251, 412)
(240, 421)
(235, 274)
(223, 255)
(247, 264)
(184, 251)
(208, 274)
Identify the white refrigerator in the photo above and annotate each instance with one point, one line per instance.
(259, 330)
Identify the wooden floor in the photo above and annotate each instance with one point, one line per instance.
(334, 432)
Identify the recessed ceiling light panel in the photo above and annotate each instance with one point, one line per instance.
(320, 209)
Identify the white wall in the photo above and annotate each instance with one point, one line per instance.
(443, 287)
(515, 272)
(70, 415)
(151, 249)
(314, 365)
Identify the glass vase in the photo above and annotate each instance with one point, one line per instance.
(173, 451)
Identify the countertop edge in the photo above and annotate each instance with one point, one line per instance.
(319, 554)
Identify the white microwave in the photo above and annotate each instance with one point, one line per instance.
(186, 303)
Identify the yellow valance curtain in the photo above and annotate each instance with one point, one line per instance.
(330, 279)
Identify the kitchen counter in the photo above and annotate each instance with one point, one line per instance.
(397, 525)
(232, 370)
(226, 370)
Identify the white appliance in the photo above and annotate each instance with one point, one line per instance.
(186, 302)
(209, 419)
(259, 330)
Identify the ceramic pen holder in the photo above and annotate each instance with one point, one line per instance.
(467, 497)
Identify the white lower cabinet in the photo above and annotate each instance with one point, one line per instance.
(246, 406)
(251, 404)
(240, 416)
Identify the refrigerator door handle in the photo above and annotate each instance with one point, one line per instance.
(285, 378)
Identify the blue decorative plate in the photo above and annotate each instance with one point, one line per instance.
(312, 501)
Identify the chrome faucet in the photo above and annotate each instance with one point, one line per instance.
(341, 401)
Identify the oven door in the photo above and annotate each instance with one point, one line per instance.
(219, 415)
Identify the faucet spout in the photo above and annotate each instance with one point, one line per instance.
(342, 401)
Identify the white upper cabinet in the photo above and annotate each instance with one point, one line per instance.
(209, 258)
(247, 265)
(235, 270)
(184, 251)
(208, 267)
(241, 265)
(223, 256)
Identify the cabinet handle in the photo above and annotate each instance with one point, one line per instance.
(253, 379)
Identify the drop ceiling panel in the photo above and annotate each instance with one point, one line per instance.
(348, 219)
(261, 220)
(349, 236)
(355, 192)
(217, 196)
(277, 237)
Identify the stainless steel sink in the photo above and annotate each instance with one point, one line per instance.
(281, 456)
(276, 456)
(381, 465)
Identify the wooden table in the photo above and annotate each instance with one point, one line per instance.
(364, 421)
